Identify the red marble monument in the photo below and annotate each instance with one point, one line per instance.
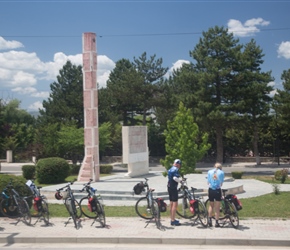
(90, 168)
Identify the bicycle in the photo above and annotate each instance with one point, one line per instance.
(13, 205)
(191, 206)
(40, 204)
(91, 206)
(147, 207)
(71, 204)
(228, 210)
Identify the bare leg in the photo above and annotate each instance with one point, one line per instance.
(217, 210)
(173, 206)
(211, 209)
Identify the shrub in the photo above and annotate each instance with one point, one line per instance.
(276, 189)
(237, 175)
(281, 175)
(52, 170)
(106, 169)
(28, 171)
(74, 169)
(19, 185)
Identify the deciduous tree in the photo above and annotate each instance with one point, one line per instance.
(183, 140)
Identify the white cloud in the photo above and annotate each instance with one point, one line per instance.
(284, 50)
(104, 67)
(23, 79)
(35, 106)
(4, 45)
(24, 91)
(21, 60)
(176, 65)
(24, 73)
(31, 91)
(248, 28)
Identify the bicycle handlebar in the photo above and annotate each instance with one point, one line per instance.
(67, 186)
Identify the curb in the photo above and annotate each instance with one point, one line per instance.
(14, 239)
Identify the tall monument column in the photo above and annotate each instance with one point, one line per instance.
(90, 167)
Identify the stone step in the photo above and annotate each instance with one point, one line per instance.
(120, 195)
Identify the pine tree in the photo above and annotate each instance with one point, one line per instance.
(65, 104)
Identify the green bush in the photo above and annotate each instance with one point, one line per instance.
(74, 169)
(237, 175)
(52, 170)
(19, 185)
(106, 169)
(28, 171)
(281, 175)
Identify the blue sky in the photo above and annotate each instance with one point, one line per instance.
(38, 37)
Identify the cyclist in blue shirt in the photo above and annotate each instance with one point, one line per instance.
(215, 179)
(173, 180)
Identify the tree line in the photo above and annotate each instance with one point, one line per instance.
(229, 97)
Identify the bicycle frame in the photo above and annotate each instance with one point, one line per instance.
(91, 206)
(39, 202)
(70, 204)
(192, 206)
(14, 203)
(228, 211)
(152, 209)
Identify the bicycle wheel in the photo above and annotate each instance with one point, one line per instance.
(84, 204)
(156, 213)
(24, 210)
(183, 209)
(101, 213)
(212, 216)
(142, 208)
(8, 208)
(69, 207)
(44, 211)
(233, 215)
(202, 213)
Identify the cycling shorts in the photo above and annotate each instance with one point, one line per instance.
(173, 194)
(214, 194)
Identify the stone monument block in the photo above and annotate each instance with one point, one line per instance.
(135, 150)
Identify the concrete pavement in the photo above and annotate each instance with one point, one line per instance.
(134, 230)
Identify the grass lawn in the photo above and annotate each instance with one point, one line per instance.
(266, 178)
(265, 206)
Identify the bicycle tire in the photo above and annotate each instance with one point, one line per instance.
(45, 211)
(156, 213)
(233, 215)
(212, 216)
(24, 210)
(183, 209)
(73, 209)
(142, 209)
(84, 204)
(100, 213)
(8, 208)
(202, 213)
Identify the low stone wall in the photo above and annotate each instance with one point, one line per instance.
(156, 159)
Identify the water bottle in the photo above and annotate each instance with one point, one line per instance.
(4, 195)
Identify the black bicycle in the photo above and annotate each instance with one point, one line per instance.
(228, 210)
(147, 207)
(71, 204)
(13, 205)
(40, 204)
(191, 206)
(91, 205)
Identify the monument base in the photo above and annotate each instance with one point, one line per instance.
(137, 169)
